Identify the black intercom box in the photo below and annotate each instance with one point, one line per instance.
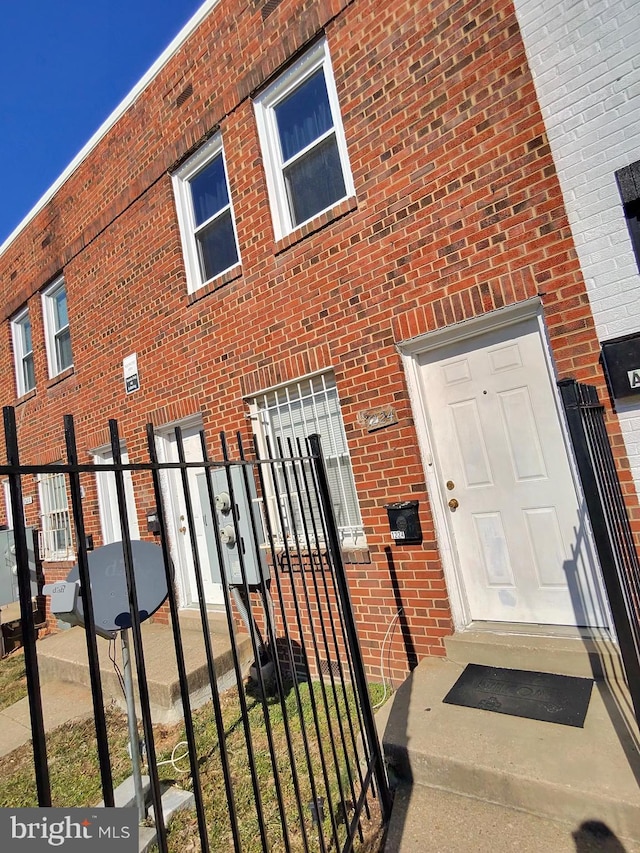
(621, 362)
(404, 522)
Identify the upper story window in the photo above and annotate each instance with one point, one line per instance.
(56, 327)
(205, 214)
(293, 412)
(302, 137)
(23, 352)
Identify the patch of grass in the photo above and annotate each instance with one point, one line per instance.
(13, 681)
(315, 735)
(73, 765)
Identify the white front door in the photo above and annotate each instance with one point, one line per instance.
(182, 550)
(522, 551)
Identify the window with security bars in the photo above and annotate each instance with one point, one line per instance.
(56, 541)
(293, 412)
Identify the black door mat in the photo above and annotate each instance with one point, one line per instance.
(537, 695)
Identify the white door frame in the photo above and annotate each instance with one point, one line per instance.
(410, 350)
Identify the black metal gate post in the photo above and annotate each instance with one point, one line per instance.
(39, 744)
(609, 521)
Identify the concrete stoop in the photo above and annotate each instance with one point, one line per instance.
(63, 657)
(490, 761)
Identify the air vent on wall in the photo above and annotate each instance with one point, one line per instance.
(184, 95)
(269, 7)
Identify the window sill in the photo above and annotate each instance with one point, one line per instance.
(26, 397)
(215, 284)
(309, 558)
(317, 224)
(60, 377)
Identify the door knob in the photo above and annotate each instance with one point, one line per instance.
(453, 504)
(183, 530)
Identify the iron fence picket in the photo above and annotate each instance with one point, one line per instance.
(348, 653)
(234, 653)
(138, 646)
(286, 550)
(86, 596)
(351, 630)
(257, 645)
(243, 704)
(295, 537)
(308, 490)
(180, 660)
(261, 467)
(39, 744)
(307, 539)
(272, 643)
(609, 521)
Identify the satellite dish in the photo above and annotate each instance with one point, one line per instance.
(109, 584)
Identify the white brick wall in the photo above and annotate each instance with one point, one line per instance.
(585, 60)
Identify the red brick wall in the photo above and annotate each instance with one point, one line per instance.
(457, 211)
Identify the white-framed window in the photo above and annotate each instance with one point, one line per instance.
(205, 215)
(303, 142)
(56, 327)
(23, 352)
(108, 497)
(56, 540)
(296, 411)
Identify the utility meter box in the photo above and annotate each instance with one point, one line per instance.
(404, 522)
(9, 567)
(234, 541)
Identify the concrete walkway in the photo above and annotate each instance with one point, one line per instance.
(65, 680)
(61, 703)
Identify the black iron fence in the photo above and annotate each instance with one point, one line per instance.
(311, 774)
(609, 521)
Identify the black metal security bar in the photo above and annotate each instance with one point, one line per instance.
(609, 521)
(285, 756)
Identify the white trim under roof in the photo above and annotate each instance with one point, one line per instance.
(122, 107)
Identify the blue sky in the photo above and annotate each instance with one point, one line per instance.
(64, 66)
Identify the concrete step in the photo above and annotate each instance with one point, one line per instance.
(570, 651)
(63, 657)
(191, 620)
(428, 820)
(553, 771)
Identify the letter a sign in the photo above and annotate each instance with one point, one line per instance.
(634, 378)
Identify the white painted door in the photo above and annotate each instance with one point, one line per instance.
(508, 493)
(108, 497)
(181, 539)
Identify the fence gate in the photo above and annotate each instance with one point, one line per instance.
(609, 521)
(286, 760)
